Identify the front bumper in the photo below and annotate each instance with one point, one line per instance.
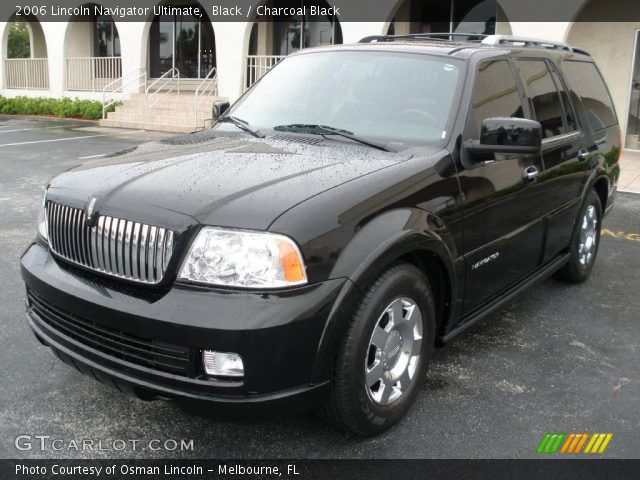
(116, 334)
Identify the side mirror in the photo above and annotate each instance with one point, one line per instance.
(218, 109)
(508, 135)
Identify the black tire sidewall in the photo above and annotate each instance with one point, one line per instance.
(401, 281)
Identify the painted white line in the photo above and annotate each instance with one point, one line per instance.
(87, 157)
(69, 138)
(38, 128)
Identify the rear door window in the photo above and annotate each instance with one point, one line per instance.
(587, 84)
(549, 109)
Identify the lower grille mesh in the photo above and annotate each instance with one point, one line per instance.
(154, 354)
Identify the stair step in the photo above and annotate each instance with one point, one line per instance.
(160, 127)
(172, 113)
(157, 117)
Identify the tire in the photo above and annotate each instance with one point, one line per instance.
(362, 409)
(583, 251)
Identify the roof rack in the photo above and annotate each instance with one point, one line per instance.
(530, 42)
(478, 38)
(443, 37)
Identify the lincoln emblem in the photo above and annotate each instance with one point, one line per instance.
(88, 214)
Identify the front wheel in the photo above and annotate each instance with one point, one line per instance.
(381, 364)
(584, 243)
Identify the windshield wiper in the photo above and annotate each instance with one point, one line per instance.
(326, 130)
(242, 125)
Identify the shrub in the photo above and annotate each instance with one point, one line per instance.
(58, 107)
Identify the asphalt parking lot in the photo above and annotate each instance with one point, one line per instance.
(558, 359)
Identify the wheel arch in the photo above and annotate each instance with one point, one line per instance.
(425, 249)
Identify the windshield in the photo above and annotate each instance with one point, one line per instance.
(385, 97)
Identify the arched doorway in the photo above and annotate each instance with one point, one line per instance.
(275, 36)
(26, 64)
(181, 42)
(92, 52)
(483, 17)
(615, 46)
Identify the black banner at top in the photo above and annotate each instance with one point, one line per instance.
(452, 12)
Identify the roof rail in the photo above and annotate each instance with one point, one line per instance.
(478, 38)
(530, 42)
(442, 37)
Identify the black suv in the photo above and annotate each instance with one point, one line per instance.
(358, 206)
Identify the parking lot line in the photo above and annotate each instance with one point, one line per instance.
(69, 138)
(37, 128)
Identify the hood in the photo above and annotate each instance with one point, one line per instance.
(227, 180)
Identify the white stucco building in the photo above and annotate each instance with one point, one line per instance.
(84, 55)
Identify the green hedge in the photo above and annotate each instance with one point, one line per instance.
(57, 107)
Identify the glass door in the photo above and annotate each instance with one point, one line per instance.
(633, 118)
(184, 42)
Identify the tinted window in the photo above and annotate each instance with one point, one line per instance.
(587, 84)
(547, 106)
(495, 93)
(572, 125)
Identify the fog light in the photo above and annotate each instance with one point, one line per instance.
(222, 364)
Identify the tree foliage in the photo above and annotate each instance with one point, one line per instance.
(19, 43)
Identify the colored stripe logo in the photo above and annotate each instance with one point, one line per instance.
(572, 443)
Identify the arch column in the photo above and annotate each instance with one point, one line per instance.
(230, 54)
(133, 46)
(352, 32)
(54, 34)
(3, 51)
(553, 31)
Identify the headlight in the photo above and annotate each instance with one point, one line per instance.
(43, 228)
(237, 258)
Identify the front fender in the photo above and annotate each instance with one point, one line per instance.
(374, 248)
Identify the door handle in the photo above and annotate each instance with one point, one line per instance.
(529, 174)
(583, 154)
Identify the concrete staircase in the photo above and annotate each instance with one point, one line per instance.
(173, 113)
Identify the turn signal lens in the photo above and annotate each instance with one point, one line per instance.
(291, 263)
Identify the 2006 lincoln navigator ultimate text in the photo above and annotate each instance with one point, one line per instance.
(358, 206)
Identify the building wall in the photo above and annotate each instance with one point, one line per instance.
(611, 45)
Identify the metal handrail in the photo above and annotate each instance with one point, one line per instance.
(208, 86)
(128, 83)
(175, 73)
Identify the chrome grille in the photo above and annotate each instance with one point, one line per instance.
(114, 246)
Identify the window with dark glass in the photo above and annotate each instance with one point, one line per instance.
(106, 41)
(570, 118)
(447, 16)
(294, 32)
(495, 94)
(585, 81)
(547, 105)
(184, 42)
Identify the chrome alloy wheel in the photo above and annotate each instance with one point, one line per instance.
(588, 236)
(394, 351)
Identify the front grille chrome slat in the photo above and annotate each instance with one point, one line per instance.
(114, 246)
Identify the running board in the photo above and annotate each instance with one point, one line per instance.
(480, 314)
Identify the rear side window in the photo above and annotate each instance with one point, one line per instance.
(588, 85)
(495, 94)
(548, 106)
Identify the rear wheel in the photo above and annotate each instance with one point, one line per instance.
(381, 364)
(585, 242)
